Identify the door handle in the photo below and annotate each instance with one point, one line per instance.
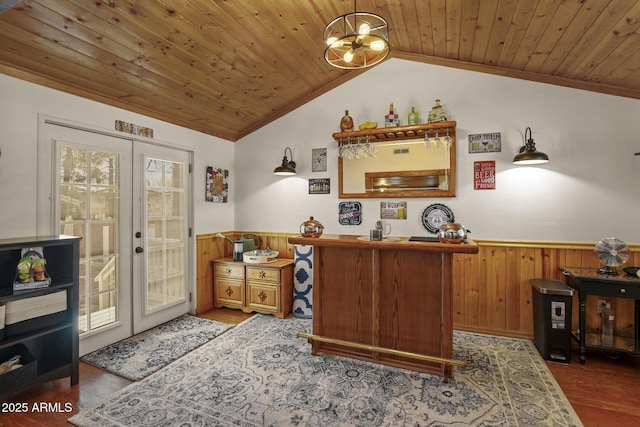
(138, 234)
(139, 250)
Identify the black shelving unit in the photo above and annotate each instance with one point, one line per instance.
(53, 345)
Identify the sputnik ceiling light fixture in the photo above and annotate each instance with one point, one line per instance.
(356, 40)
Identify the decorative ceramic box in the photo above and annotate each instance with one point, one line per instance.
(29, 314)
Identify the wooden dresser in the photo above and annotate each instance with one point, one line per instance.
(263, 288)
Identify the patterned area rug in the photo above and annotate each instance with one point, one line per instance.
(261, 374)
(140, 355)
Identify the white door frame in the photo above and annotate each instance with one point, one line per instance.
(46, 224)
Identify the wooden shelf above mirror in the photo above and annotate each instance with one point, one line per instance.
(403, 159)
(397, 133)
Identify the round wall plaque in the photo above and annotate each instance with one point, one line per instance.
(435, 215)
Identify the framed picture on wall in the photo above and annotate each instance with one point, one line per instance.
(350, 213)
(216, 185)
(393, 210)
(485, 143)
(319, 160)
(319, 186)
(484, 175)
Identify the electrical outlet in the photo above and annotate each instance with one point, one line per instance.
(601, 304)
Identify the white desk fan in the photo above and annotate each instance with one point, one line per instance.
(611, 252)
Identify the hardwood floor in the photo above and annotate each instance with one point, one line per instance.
(604, 391)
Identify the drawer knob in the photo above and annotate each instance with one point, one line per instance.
(623, 291)
(262, 274)
(228, 291)
(228, 271)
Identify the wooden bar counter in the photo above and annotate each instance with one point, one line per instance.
(388, 302)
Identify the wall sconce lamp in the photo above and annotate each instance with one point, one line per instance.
(528, 154)
(288, 167)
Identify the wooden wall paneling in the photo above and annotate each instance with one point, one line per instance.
(513, 290)
(492, 289)
(529, 265)
(496, 284)
(551, 264)
(208, 248)
(494, 293)
(274, 241)
(472, 293)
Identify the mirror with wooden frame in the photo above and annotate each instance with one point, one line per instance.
(403, 161)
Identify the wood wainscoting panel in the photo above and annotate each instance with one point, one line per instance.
(208, 248)
(493, 294)
(491, 290)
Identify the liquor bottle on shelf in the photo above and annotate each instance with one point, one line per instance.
(391, 119)
(414, 117)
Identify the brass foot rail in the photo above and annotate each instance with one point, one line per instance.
(359, 346)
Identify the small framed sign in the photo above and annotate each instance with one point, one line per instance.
(393, 210)
(319, 186)
(134, 129)
(484, 175)
(350, 213)
(319, 160)
(216, 185)
(484, 143)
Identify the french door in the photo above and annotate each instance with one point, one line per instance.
(160, 212)
(129, 201)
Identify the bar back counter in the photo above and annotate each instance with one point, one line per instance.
(387, 302)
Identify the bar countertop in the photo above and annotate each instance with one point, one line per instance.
(388, 243)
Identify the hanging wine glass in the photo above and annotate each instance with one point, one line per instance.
(369, 149)
(372, 151)
(427, 140)
(447, 139)
(436, 140)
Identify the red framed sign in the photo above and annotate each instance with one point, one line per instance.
(484, 175)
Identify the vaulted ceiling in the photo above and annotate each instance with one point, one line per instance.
(229, 67)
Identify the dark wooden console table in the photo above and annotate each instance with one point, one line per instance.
(587, 281)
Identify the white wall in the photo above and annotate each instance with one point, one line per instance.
(20, 104)
(588, 191)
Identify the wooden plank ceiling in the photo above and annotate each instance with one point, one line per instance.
(227, 68)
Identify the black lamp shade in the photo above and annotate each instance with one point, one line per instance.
(288, 167)
(528, 154)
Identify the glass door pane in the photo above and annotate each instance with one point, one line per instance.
(89, 197)
(165, 225)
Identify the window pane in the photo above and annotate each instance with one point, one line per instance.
(89, 207)
(166, 281)
(73, 164)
